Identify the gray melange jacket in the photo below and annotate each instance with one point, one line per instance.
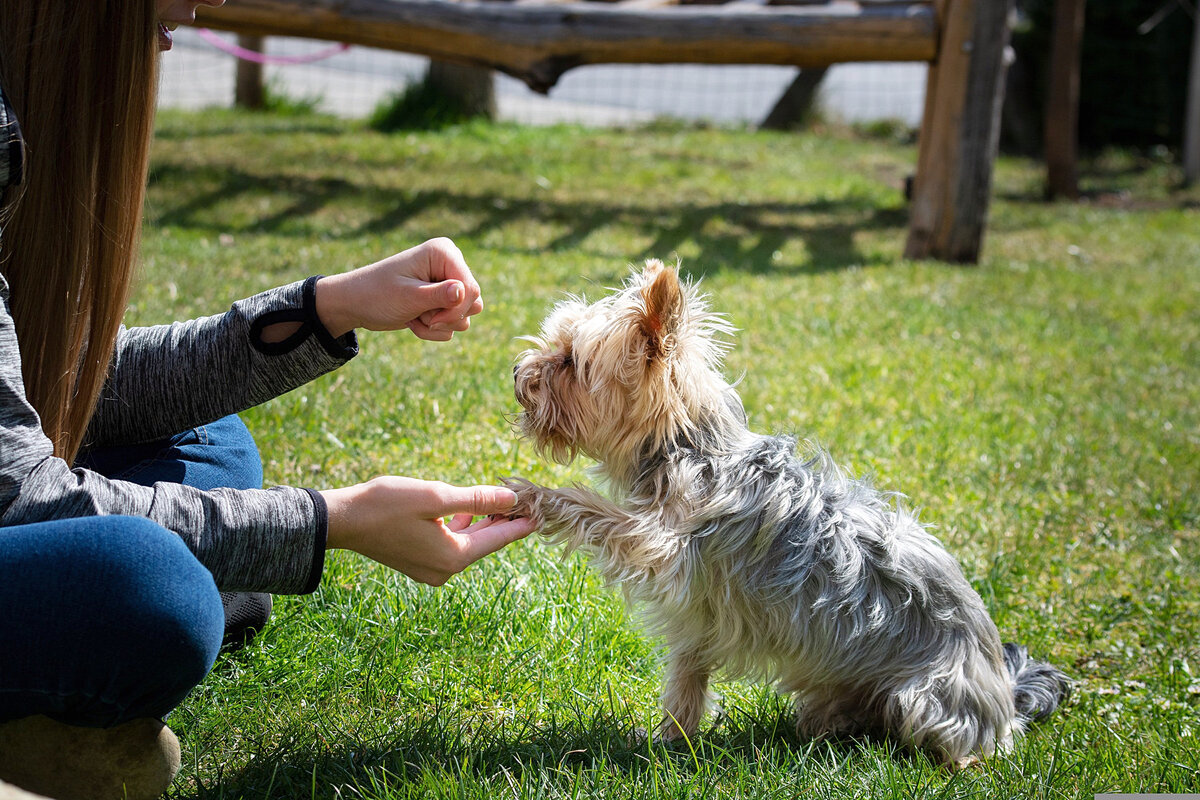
(164, 380)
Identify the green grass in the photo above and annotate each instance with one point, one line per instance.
(1043, 409)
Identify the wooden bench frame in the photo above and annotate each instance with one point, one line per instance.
(963, 41)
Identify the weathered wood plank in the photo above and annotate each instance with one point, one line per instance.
(539, 43)
(960, 133)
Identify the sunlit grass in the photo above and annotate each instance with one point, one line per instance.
(1041, 409)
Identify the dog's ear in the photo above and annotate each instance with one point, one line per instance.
(662, 297)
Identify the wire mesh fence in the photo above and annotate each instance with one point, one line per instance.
(353, 82)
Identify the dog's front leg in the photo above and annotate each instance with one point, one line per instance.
(685, 695)
(624, 545)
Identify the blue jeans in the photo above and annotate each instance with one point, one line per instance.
(107, 619)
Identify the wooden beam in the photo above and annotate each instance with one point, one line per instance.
(646, 3)
(860, 3)
(539, 43)
(960, 132)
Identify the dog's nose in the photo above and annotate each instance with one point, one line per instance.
(515, 368)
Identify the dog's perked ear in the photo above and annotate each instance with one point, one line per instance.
(663, 300)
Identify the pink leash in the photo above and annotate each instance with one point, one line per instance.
(262, 58)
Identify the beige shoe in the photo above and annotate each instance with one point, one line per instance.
(10, 792)
(134, 761)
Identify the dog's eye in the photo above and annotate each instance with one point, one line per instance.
(568, 361)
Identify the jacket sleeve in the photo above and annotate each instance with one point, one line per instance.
(256, 540)
(168, 378)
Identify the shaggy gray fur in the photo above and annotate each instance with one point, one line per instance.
(749, 560)
(1038, 688)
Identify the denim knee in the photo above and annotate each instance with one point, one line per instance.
(239, 459)
(104, 619)
(219, 454)
(175, 608)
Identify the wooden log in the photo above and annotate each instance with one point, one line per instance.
(960, 132)
(539, 43)
(861, 3)
(646, 3)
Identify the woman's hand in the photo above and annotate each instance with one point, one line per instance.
(400, 523)
(428, 289)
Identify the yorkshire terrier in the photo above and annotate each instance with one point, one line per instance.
(748, 559)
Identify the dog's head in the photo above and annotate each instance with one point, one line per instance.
(635, 368)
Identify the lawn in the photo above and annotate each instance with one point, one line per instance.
(1042, 410)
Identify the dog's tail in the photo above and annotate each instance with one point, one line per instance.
(1038, 687)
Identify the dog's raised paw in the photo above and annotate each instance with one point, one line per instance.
(528, 498)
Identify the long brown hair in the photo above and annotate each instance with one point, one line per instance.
(81, 77)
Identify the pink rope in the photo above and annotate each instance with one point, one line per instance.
(262, 58)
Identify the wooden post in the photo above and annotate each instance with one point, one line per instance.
(1191, 125)
(248, 87)
(960, 131)
(1062, 101)
(473, 88)
(795, 106)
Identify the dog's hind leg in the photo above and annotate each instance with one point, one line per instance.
(832, 713)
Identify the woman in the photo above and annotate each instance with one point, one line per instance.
(116, 531)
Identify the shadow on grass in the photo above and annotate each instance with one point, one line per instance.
(747, 236)
(1129, 183)
(1112, 197)
(435, 754)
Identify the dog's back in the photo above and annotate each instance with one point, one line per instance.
(825, 586)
